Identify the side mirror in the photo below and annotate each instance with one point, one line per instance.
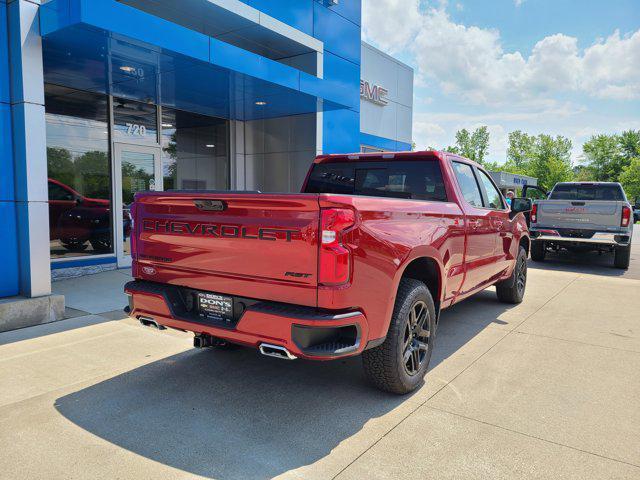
(520, 205)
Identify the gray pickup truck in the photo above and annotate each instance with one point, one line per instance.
(581, 216)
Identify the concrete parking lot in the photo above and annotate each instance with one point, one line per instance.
(546, 389)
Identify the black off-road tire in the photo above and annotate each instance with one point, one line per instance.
(386, 366)
(538, 250)
(512, 289)
(622, 257)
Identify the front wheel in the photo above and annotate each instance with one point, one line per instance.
(400, 363)
(512, 289)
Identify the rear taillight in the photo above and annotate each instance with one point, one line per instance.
(335, 259)
(626, 217)
(534, 213)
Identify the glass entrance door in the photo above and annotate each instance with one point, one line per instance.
(137, 169)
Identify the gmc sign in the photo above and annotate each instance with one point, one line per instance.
(373, 93)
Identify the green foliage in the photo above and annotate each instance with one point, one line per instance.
(610, 158)
(89, 173)
(630, 179)
(60, 165)
(472, 145)
(544, 157)
(604, 157)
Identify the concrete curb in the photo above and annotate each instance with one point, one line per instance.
(20, 312)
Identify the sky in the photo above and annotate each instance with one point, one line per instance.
(559, 67)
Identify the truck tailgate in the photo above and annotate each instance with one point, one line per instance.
(244, 244)
(588, 214)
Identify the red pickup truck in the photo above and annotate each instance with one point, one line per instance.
(361, 262)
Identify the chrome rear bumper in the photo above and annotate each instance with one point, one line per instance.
(602, 238)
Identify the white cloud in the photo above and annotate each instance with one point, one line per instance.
(611, 67)
(390, 24)
(518, 2)
(470, 63)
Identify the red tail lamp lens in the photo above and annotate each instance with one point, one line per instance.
(335, 258)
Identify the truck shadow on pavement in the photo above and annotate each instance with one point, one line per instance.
(237, 414)
(580, 262)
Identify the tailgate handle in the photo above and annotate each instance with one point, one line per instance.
(210, 205)
(577, 204)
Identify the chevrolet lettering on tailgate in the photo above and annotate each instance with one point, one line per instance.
(219, 231)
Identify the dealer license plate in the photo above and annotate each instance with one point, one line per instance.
(216, 306)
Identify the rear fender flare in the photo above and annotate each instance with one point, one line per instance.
(426, 252)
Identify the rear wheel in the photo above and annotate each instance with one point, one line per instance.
(74, 245)
(538, 250)
(101, 244)
(400, 363)
(622, 257)
(512, 289)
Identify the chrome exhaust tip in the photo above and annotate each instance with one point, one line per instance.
(150, 322)
(276, 351)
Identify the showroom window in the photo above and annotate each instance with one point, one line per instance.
(195, 151)
(79, 172)
(134, 122)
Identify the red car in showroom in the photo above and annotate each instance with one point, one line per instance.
(78, 221)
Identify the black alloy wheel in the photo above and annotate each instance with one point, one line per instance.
(416, 338)
(512, 289)
(521, 274)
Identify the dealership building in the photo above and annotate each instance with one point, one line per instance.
(100, 99)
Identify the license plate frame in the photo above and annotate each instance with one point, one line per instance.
(215, 306)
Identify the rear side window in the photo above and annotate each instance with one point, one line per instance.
(468, 184)
(418, 180)
(571, 191)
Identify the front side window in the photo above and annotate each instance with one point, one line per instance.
(493, 195)
(417, 180)
(468, 184)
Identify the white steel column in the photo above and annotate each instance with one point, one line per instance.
(30, 147)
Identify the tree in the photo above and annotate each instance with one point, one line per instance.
(544, 157)
(630, 179)
(629, 142)
(520, 149)
(551, 162)
(604, 157)
(60, 165)
(92, 174)
(473, 146)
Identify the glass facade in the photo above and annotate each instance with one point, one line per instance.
(79, 172)
(135, 122)
(192, 152)
(195, 151)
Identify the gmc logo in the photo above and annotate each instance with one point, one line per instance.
(219, 230)
(373, 93)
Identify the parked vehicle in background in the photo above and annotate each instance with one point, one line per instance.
(361, 262)
(636, 210)
(583, 216)
(77, 220)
